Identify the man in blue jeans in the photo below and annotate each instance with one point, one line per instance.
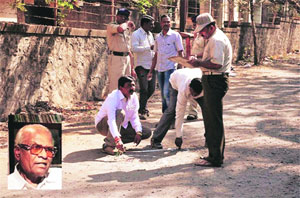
(168, 43)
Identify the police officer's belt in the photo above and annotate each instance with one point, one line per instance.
(208, 73)
(119, 53)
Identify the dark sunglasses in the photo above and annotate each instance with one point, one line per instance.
(36, 149)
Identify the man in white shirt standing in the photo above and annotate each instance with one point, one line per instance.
(118, 118)
(34, 151)
(185, 84)
(168, 43)
(142, 44)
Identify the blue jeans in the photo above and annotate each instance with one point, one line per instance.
(163, 81)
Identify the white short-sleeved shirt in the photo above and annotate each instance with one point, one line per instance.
(167, 46)
(219, 51)
(114, 101)
(180, 81)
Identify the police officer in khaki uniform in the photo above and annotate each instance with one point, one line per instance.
(120, 59)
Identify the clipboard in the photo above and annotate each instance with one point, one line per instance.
(181, 60)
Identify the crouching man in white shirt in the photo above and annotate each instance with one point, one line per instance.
(118, 118)
(34, 151)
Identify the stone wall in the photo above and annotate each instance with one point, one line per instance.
(66, 65)
(271, 40)
(59, 65)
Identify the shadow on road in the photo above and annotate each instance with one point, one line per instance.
(139, 175)
(83, 156)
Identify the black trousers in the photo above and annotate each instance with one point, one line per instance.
(215, 87)
(147, 87)
(128, 135)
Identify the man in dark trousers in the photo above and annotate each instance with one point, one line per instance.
(142, 45)
(215, 65)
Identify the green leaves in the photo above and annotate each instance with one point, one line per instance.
(19, 5)
(145, 5)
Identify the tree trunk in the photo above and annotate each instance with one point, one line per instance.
(183, 14)
(253, 32)
(217, 12)
(274, 18)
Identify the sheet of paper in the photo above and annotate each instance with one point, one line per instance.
(181, 60)
(186, 34)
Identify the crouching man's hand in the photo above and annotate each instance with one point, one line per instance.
(119, 145)
(138, 137)
(178, 142)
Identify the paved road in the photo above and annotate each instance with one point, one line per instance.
(261, 113)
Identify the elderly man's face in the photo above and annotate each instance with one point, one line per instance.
(35, 165)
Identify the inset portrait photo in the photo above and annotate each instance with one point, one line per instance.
(34, 156)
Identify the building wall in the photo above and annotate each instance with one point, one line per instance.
(271, 40)
(88, 15)
(66, 65)
(45, 63)
(7, 13)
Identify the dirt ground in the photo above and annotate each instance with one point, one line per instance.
(261, 115)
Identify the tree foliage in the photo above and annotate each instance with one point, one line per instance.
(293, 4)
(18, 4)
(145, 5)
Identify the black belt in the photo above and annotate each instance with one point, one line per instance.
(119, 53)
(207, 73)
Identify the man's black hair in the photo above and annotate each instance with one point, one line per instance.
(196, 85)
(146, 19)
(194, 18)
(124, 79)
(163, 16)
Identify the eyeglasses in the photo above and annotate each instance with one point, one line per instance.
(36, 149)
